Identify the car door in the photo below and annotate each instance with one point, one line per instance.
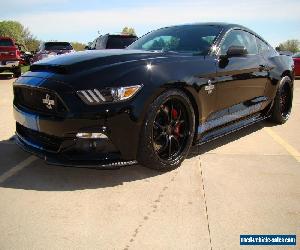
(241, 79)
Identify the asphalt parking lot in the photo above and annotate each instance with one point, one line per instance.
(245, 183)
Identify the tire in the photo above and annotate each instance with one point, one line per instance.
(282, 105)
(17, 72)
(168, 131)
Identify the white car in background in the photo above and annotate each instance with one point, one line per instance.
(49, 49)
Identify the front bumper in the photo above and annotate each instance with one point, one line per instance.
(9, 64)
(55, 141)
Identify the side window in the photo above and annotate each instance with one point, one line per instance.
(262, 46)
(250, 41)
(239, 38)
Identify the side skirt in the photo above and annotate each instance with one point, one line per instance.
(230, 128)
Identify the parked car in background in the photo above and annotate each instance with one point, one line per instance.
(296, 58)
(26, 56)
(285, 53)
(148, 103)
(10, 56)
(49, 49)
(110, 41)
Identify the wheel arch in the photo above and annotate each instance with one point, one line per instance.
(192, 96)
(288, 73)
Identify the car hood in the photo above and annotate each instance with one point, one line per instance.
(87, 60)
(89, 69)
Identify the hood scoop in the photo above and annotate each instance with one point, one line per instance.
(59, 69)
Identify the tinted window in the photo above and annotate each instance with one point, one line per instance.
(6, 42)
(262, 46)
(187, 38)
(119, 42)
(239, 38)
(58, 46)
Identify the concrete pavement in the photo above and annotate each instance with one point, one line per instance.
(244, 183)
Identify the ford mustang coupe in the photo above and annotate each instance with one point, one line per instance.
(148, 103)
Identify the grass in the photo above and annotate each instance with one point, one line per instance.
(24, 69)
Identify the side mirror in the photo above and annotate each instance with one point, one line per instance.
(235, 51)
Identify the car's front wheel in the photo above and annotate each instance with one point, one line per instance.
(167, 132)
(17, 72)
(282, 105)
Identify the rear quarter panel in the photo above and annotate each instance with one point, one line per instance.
(280, 65)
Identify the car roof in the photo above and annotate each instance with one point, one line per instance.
(224, 25)
(120, 35)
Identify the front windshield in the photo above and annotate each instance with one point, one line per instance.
(185, 38)
(6, 42)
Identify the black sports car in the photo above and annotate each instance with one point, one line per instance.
(172, 88)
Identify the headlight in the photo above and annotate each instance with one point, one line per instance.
(98, 96)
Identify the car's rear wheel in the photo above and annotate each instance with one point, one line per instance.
(167, 132)
(283, 101)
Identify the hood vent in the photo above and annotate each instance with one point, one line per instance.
(59, 69)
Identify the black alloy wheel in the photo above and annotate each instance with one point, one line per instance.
(168, 131)
(285, 100)
(282, 105)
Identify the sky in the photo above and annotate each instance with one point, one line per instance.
(74, 20)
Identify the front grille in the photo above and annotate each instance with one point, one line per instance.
(38, 99)
(44, 141)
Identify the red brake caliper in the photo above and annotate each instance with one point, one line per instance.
(177, 126)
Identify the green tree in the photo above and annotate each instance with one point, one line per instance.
(78, 46)
(13, 29)
(292, 45)
(19, 33)
(32, 44)
(128, 31)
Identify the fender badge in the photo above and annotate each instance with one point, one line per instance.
(49, 103)
(209, 87)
